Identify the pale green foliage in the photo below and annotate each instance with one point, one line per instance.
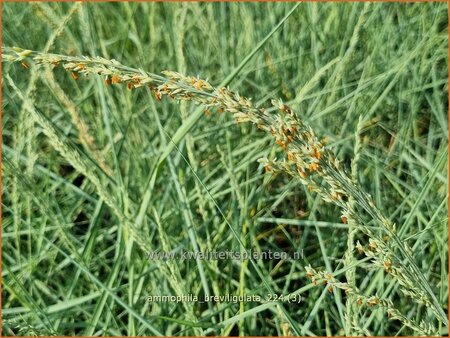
(96, 162)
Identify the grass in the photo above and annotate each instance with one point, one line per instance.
(95, 176)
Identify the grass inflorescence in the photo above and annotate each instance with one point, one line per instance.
(133, 177)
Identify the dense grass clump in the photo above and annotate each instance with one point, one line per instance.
(125, 136)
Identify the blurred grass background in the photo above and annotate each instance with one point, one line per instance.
(68, 265)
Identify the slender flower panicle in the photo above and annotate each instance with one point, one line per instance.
(330, 282)
(305, 157)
